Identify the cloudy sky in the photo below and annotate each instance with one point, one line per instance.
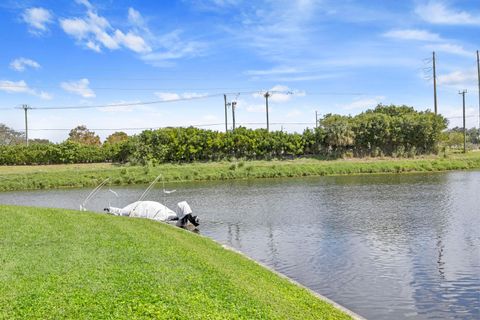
(334, 56)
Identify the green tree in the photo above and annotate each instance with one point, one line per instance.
(116, 137)
(338, 132)
(82, 135)
(455, 139)
(8, 136)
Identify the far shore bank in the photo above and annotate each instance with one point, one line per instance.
(16, 178)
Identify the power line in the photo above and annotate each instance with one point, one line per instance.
(460, 117)
(125, 104)
(128, 104)
(153, 128)
(132, 104)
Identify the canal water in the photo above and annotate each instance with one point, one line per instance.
(385, 246)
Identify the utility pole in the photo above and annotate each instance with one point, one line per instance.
(434, 84)
(267, 95)
(234, 104)
(316, 119)
(25, 107)
(478, 71)
(226, 124)
(464, 127)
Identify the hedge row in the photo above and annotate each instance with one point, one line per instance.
(386, 130)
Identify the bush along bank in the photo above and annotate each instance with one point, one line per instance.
(397, 131)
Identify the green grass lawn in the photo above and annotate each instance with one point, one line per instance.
(79, 265)
(88, 175)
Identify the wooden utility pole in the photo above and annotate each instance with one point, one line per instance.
(226, 124)
(267, 95)
(464, 127)
(234, 104)
(434, 84)
(316, 119)
(478, 72)
(25, 107)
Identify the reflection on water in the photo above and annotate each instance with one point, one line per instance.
(385, 246)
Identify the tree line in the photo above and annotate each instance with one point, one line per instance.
(398, 131)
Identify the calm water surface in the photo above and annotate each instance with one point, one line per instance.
(384, 246)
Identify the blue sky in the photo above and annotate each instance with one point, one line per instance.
(341, 56)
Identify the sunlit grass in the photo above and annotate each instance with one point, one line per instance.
(59, 264)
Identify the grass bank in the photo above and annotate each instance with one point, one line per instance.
(79, 265)
(88, 175)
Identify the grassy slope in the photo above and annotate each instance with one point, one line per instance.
(69, 264)
(86, 175)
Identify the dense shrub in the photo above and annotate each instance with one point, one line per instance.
(66, 152)
(385, 130)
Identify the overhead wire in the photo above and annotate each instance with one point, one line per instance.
(163, 101)
(161, 127)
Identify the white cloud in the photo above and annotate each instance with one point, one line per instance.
(37, 20)
(458, 79)
(80, 87)
(20, 64)
(22, 87)
(171, 47)
(364, 103)
(171, 96)
(413, 34)
(279, 94)
(441, 45)
(437, 12)
(134, 17)
(167, 96)
(95, 32)
(86, 3)
(272, 71)
(44, 95)
(289, 74)
(76, 27)
(14, 86)
(450, 48)
(132, 41)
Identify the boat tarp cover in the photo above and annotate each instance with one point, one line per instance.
(145, 209)
(183, 209)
